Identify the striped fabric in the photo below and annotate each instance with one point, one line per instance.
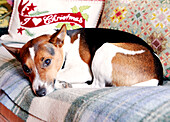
(122, 104)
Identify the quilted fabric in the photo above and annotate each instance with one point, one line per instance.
(126, 104)
(148, 19)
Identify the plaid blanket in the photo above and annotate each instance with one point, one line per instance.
(105, 104)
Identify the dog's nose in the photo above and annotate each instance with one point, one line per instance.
(41, 92)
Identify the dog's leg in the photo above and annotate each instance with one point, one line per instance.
(74, 75)
(72, 78)
(62, 84)
(98, 83)
(102, 66)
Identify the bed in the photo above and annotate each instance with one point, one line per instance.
(106, 104)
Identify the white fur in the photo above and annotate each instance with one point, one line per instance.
(38, 83)
(152, 82)
(156, 55)
(32, 53)
(81, 85)
(102, 66)
(75, 70)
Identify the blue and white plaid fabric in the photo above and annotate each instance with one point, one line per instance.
(131, 104)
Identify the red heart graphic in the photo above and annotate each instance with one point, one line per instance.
(72, 24)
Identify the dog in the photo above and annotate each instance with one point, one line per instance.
(75, 58)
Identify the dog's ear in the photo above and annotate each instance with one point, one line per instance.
(58, 38)
(14, 51)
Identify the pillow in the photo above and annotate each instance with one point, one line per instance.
(148, 19)
(31, 18)
(5, 12)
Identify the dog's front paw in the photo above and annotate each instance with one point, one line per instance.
(62, 84)
(65, 84)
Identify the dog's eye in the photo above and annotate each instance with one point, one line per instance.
(47, 62)
(26, 69)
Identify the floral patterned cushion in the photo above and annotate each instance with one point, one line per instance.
(5, 12)
(148, 19)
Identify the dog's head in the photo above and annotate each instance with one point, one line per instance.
(41, 59)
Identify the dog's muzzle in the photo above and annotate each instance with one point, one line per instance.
(41, 92)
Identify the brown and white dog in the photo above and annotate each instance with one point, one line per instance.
(71, 58)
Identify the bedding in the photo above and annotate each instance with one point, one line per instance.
(102, 104)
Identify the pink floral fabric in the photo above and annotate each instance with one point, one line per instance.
(148, 19)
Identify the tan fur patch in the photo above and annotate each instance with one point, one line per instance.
(131, 69)
(74, 37)
(85, 52)
(49, 73)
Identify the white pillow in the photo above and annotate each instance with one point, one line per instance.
(32, 18)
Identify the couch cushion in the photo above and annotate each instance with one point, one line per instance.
(149, 20)
(5, 12)
(79, 104)
(31, 18)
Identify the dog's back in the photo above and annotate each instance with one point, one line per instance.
(127, 67)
